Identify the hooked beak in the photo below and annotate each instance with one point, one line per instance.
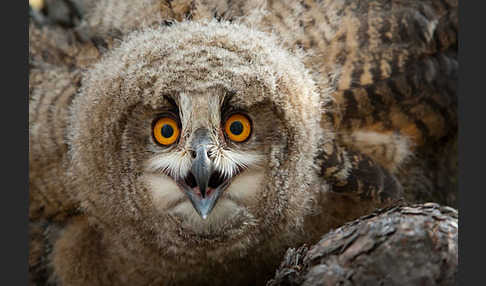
(203, 185)
(201, 169)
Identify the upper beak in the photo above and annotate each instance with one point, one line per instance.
(201, 168)
(202, 196)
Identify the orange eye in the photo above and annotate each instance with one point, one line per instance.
(166, 131)
(238, 127)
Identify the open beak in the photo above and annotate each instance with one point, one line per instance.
(203, 185)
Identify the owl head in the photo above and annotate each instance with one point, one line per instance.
(205, 131)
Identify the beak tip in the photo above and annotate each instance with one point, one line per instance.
(204, 206)
(204, 212)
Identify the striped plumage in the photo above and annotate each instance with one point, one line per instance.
(386, 74)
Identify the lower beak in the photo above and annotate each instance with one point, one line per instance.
(204, 206)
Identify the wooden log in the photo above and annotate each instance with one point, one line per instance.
(404, 245)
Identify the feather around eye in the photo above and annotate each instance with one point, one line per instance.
(238, 127)
(165, 131)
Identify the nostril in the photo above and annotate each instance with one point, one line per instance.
(194, 154)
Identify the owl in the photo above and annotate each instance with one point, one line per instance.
(193, 142)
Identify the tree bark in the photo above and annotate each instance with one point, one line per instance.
(403, 245)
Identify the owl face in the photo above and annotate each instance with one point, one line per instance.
(206, 151)
(201, 130)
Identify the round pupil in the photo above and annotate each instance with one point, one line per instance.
(167, 131)
(236, 128)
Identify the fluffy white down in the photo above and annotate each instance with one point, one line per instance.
(243, 192)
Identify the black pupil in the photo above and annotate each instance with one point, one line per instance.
(167, 131)
(236, 128)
